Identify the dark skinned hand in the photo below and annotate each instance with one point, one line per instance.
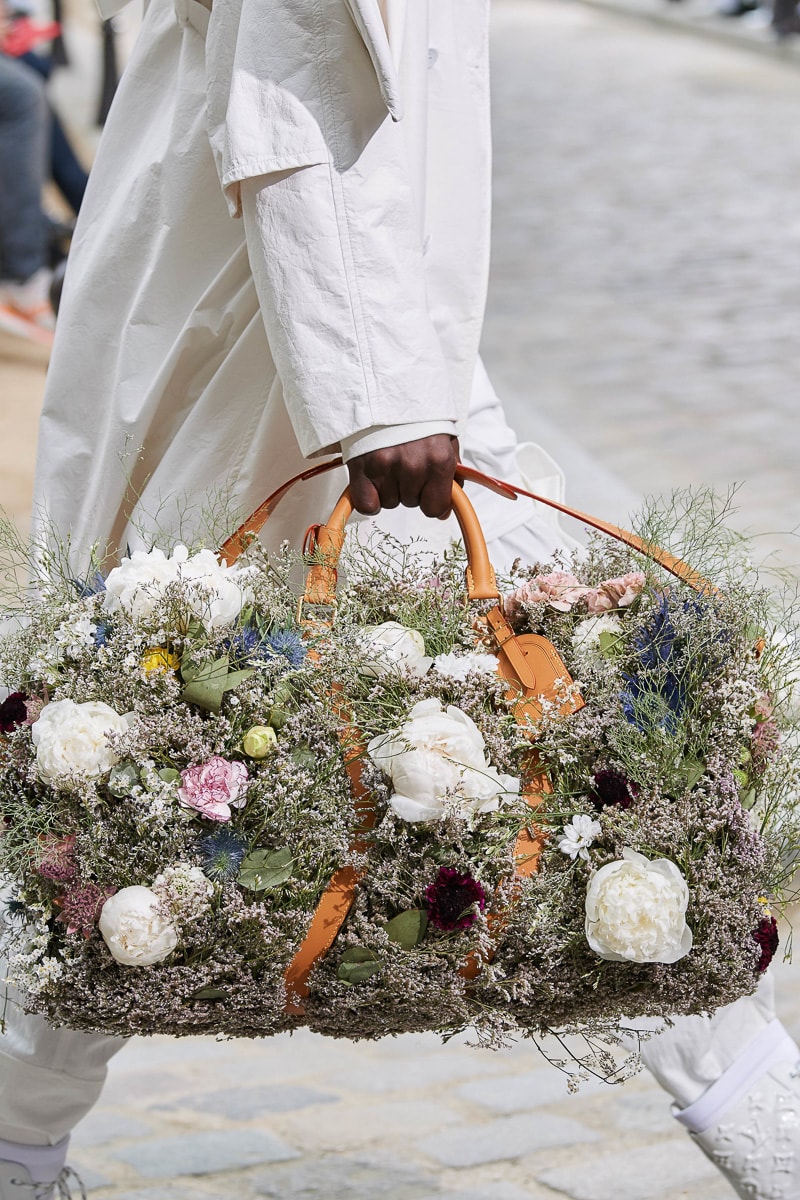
(416, 474)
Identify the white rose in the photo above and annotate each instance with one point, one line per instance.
(636, 911)
(135, 929)
(587, 634)
(215, 594)
(438, 754)
(391, 646)
(72, 739)
(459, 666)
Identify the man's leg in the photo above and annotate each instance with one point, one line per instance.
(24, 133)
(49, 1080)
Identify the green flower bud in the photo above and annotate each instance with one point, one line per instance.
(259, 741)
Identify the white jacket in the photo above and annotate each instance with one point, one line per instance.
(215, 354)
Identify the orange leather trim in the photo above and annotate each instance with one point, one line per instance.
(529, 662)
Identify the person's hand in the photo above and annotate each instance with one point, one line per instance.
(417, 474)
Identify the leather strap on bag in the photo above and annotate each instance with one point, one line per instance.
(530, 663)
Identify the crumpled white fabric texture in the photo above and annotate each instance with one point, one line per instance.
(692, 1055)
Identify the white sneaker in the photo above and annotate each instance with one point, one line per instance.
(756, 1143)
(16, 1184)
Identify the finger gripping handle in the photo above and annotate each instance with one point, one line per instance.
(325, 543)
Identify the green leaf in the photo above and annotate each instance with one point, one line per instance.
(169, 775)
(304, 756)
(609, 643)
(264, 869)
(123, 777)
(359, 954)
(408, 928)
(277, 717)
(748, 798)
(357, 965)
(692, 770)
(209, 993)
(206, 683)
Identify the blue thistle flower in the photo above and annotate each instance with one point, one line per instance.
(91, 586)
(223, 853)
(663, 692)
(288, 645)
(250, 643)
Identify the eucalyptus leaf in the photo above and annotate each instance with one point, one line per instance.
(123, 777)
(359, 954)
(357, 964)
(408, 928)
(304, 756)
(693, 771)
(204, 683)
(209, 993)
(169, 774)
(264, 869)
(748, 798)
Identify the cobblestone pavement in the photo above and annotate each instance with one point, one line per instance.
(642, 322)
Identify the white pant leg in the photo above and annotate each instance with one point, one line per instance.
(696, 1051)
(49, 1078)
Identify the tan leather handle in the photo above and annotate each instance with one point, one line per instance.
(238, 541)
(325, 542)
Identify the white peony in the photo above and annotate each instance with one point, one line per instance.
(439, 755)
(392, 646)
(135, 928)
(72, 739)
(587, 633)
(636, 911)
(214, 591)
(459, 666)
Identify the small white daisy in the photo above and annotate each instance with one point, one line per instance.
(579, 834)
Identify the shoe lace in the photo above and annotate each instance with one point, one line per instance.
(47, 1191)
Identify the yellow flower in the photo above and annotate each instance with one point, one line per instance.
(159, 658)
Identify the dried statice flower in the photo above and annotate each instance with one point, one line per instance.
(451, 898)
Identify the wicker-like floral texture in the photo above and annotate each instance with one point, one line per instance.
(175, 800)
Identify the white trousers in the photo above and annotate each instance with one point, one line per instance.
(51, 1078)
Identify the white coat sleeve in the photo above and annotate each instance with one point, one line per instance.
(309, 154)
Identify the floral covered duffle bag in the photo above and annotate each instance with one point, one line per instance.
(410, 798)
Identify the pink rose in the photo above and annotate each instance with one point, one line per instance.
(214, 787)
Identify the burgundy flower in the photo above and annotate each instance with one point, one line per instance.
(13, 712)
(81, 907)
(766, 934)
(57, 858)
(450, 899)
(612, 788)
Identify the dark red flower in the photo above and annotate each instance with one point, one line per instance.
(766, 934)
(450, 900)
(612, 788)
(13, 712)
